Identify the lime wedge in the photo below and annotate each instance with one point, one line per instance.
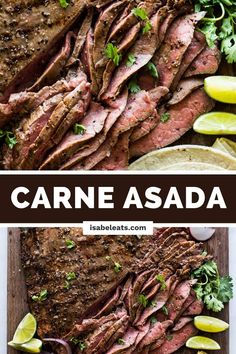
(25, 330)
(33, 346)
(214, 123)
(221, 88)
(210, 324)
(202, 343)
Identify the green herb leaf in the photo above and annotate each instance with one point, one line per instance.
(82, 345)
(66, 285)
(212, 303)
(160, 278)
(70, 276)
(226, 289)
(147, 27)
(209, 30)
(41, 297)
(117, 267)
(165, 117)
(131, 60)
(10, 138)
(165, 310)
(64, 3)
(111, 52)
(70, 244)
(228, 46)
(153, 70)
(79, 129)
(153, 320)
(133, 86)
(140, 13)
(226, 28)
(142, 299)
(169, 338)
(74, 340)
(120, 341)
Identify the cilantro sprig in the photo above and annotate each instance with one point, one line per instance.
(112, 52)
(211, 288)
(8, 137)
(141, 14)
(220, 27)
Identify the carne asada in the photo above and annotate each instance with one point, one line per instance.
(92, 52)
(111, 312)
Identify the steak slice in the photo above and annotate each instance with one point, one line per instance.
(130, 20)
(143, 50)
(119, 157)
(181, 323)
(129, 339)
(93, 122)
(138, 108)
(72, 107)
(184, 88)
(55, 66)
(207, 62)
(182, 117)
(116, 109)
(177, 340)
(124, 45)
(170, 55)
(81, 38)
(46, 261)
(196, 47)
(24, 51)
(145, 127)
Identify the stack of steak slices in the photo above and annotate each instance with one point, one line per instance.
(127, 79)
(128, 295)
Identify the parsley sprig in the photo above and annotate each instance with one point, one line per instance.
(211, 288)
(225, 31)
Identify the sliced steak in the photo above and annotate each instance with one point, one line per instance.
(93, 122)
(183, 321)
(119, 157)
(46, 261)
(138, 108)
(124, 45)
(178, 38)
(184, 88)
(143, 50)
(177, 299)
(87, 60)
(108, 307)
(207, 62)
(130, 20)
(116, 109)
(155, 333)
(176, 340)
(26, 51)
(145, 127)
(194, 309)
(81, 38)
(129, 339)
(55, 66)
(196, 47)
(182, 117)
(78, 98)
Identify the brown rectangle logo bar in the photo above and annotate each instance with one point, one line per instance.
(64, 198)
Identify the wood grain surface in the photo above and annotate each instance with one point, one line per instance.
(17, 303)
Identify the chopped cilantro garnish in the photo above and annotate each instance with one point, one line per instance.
(70, 276)
(70, 244)
(121, 341)
(111, 52)
(64, 3)
(117, 267)
(79, 129)
(165, 117)
(130, 60)
(152, 69)
(133, 86)
(42, 296)
(9, 138)
(160, 278)
(142, 299)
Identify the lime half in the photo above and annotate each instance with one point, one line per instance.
(210, 324)
(216, 123)
(221, 88)
(202, 343)
(25, 330)
(33, 346)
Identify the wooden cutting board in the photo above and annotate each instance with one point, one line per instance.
(17, 304)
